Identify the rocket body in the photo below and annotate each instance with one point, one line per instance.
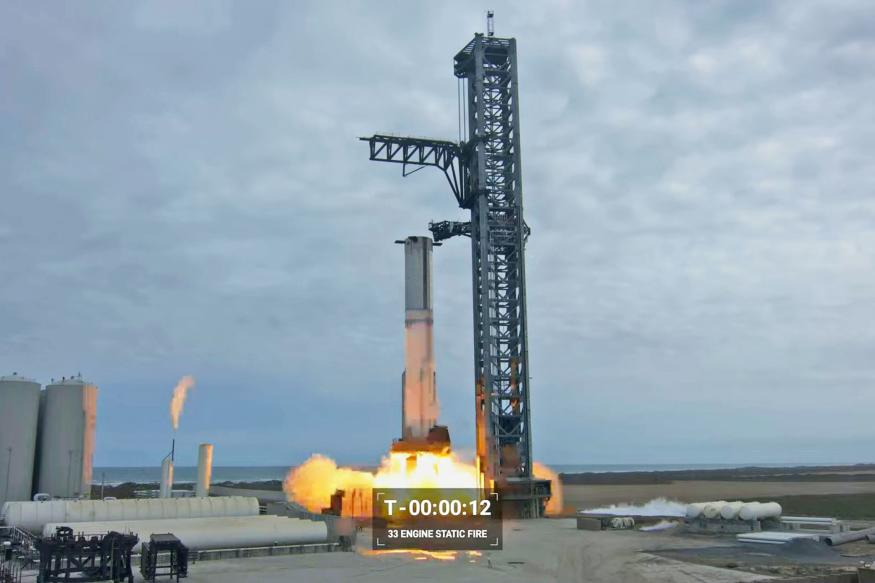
(419, 394)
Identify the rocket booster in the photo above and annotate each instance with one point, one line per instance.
(418, 391)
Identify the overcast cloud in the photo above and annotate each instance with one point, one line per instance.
(182, 192)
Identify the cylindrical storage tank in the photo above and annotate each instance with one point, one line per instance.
(33, 516)
(712, 509)
(695, 509)
(204, 469)
(19, 414)
(759, 510)
(166, 478)
(212, 533)
(67, 429)
(730, 510)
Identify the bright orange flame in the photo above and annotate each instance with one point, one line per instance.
(419, 554)
(178, 399)
(312, 483)
(554, 505)
(422, 555)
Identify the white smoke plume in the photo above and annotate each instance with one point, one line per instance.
(656, 507)
(178, 399)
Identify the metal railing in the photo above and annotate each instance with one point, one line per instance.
(18, 555)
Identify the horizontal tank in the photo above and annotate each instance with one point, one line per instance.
(33, 516)
(67, 427)
(19, 414)
(212, 533)
(759, 510)
(730, 510)
(712, 509)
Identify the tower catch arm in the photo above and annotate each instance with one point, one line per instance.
(421, 152)
(443, 230)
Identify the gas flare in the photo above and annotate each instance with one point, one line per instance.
(178, 399)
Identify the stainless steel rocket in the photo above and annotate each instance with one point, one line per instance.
(419, 396)
(419, 403)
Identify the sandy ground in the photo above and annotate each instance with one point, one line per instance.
(537, 550)
(591, 496)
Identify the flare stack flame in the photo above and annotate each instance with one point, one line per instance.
(177, 401)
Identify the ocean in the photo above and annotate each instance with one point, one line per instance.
(188, 474)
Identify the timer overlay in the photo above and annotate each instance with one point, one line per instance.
(436, 519)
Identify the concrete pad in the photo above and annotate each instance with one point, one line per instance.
(548, 550)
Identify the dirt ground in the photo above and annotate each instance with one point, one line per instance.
(536, 550)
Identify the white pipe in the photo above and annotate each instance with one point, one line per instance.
(759, 510)
(33, 516)
(730, 510)
(809, 519)
(204, 469)
(839, 538)
(774, 537)
(166, 478)
(212, 533)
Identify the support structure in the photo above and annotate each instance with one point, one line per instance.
(68, 557)
(163, 556)
(484, 173)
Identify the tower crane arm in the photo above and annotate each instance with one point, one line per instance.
(419, 153)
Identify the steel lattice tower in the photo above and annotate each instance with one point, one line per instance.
(484, 173)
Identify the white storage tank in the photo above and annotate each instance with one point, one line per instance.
(33, 516)
(19, 413)
(67, 426)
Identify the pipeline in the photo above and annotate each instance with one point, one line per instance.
(841, 538)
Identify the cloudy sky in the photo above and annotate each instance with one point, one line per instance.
(182, 192)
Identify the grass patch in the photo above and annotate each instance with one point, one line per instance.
(846, 506)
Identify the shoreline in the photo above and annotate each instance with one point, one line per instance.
(844, 491)
(862, 472)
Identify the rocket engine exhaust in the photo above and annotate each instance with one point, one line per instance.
(422, 457)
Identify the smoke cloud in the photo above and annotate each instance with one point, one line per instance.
(555, 504)
(180, 391)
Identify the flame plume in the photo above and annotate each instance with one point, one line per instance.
(554, 505)
(178, 399)
(312, 483)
